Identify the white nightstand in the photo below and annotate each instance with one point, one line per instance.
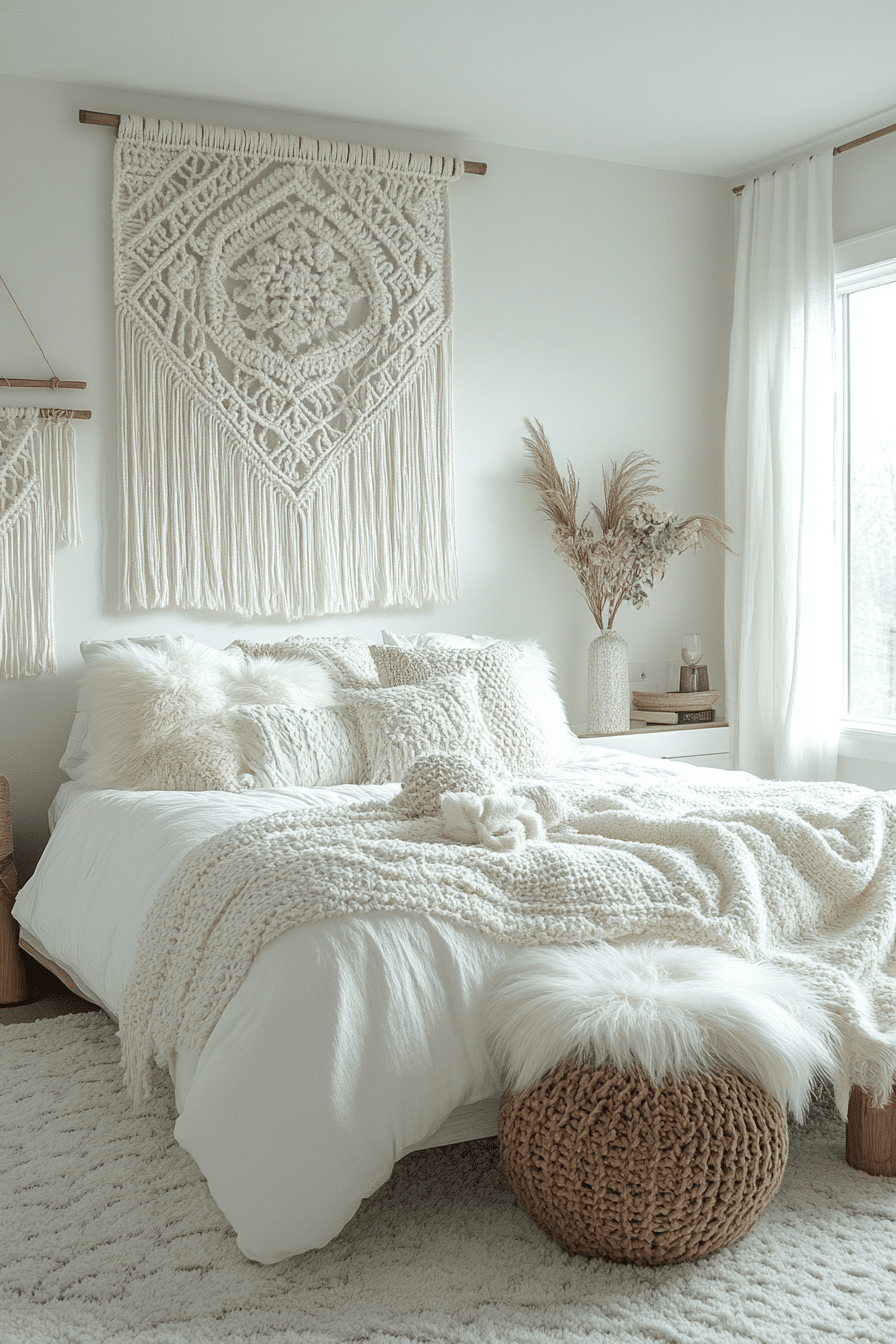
(695, 743)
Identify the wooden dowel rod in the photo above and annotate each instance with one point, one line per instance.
(51, 412)
(113, 119)
(99, 118)
(841, 149)
(38, 382)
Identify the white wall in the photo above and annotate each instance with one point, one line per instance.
(594, 297)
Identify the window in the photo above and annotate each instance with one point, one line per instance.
(867, 344)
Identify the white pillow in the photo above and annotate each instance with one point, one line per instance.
(434, 640)
(400, 724)
(282, 747)
(157, 711)
(534, 671)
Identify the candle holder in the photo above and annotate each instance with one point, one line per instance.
(694, 676)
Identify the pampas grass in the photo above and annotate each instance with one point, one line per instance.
(636, 540)
(664, 1009)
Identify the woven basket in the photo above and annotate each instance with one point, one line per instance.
(609, 1164)
(674, 700)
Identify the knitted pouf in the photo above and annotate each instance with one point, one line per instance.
(610, 1164)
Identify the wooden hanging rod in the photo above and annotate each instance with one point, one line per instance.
(113, 119)
(58, 413)
(841, 149)
(39, 382)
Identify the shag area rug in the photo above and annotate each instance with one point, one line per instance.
(108, 1233)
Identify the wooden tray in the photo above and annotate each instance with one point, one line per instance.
(675, 700)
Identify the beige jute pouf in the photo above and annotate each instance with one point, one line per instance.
(611, 1164)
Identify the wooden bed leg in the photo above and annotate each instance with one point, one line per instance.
(13, 979)
(871, 1134)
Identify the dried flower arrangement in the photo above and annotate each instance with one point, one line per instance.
(637, 540)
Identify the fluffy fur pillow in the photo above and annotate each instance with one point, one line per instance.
(284, 747)
(159, 713)
(402, 723)
(519, 733)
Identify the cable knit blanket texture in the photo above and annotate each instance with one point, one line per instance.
(800, 875)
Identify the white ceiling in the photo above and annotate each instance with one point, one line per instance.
(706, 86)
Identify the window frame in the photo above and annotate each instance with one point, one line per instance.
(860, 263)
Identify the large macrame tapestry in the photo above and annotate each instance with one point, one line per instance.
(38, 511)
(284, 340)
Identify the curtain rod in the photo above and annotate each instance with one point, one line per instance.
(841, 149)
(113, 119)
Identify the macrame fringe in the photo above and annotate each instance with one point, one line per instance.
(270, 146)
(50, 517)
(202, 528)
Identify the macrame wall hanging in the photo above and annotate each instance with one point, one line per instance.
(38, 512)
(284, 316)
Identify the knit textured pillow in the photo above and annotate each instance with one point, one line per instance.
(312, 748)
(519, 736)
(346, 657)
(402, 723)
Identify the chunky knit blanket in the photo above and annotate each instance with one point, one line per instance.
(800, 875)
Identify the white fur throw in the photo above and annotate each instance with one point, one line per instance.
(798, 876)
(663, 1009)
(160, 714)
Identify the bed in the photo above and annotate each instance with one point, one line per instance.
(351, 1040)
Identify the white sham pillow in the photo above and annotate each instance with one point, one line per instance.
(399, 724)
(534, 671)
(434, 640)
(282, 747)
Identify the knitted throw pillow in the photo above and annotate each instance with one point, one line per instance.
(402, 723)
(346, 657)
(286, 748)
(518, 735)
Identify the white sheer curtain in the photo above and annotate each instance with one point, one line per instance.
(782, 590)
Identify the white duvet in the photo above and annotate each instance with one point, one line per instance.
(350, 1043)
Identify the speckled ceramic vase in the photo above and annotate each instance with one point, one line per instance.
(608, 685)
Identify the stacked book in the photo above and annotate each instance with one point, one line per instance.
(673, 707)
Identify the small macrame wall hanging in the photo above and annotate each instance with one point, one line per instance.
(38, 512)
(284, 327)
